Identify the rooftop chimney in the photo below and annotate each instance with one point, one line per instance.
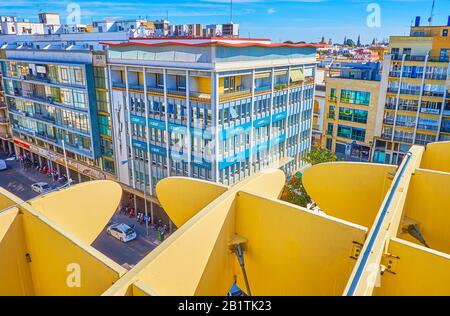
(417, 23)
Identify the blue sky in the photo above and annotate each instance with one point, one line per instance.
(279, 20)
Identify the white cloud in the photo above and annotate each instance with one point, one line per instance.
(271, 11)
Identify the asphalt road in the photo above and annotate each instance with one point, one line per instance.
(18, 182)
(15, 182)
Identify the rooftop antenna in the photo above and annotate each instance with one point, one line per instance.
(430, 19)
(167, 15)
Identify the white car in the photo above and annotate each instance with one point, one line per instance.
(41, 187)
(3, 165)
(123, 232)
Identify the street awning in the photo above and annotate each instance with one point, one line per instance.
(296, 75)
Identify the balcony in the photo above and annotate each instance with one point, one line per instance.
(44, 136)
(426, 127)
(423, 142)
(119, 85)
(389, 106)
(386, 136)
(395, 74)
(44, 117)
(438, 94)
(408, 57)
(411, 124)
(440, 59)
(432, 76)
(445, 129)
(235, 95)
(332, 99)
(408, 108)
(403, 139)
(392, 90)
(388, 122)
(430, 111)
(409, 92)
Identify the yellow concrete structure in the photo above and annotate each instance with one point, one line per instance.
(384, 230)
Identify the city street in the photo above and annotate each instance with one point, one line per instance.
(18, 181)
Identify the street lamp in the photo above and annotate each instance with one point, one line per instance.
(65, 162)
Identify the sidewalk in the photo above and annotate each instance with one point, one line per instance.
(31, 173)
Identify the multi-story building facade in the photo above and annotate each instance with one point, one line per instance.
(417, 103)
(55, 96)
(217, 110)
(5, 133)
(352, 111)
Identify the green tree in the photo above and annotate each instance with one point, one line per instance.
(319, 155)
(294, 192)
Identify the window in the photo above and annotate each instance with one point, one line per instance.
(407, 52)
(160, 80)
(181, 83)
(354, 133)
(329, 144)
(355, 97)
(229, 84)
(444, 54)
(78, 74)
(333, 94)
(352, 115)
(445, 32)
(330, 129)
(104, 125)
(64, 74)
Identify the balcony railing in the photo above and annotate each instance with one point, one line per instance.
(423, 141)
(427, 127)
(388, 122)
(235, 94)
(409, 92)
(389, 106)
(432, 76)
(392, 90)
(405, 124)
(386, 136)
(439, 94)
(430, 111)
(445, 129)
(332, 99)
(403, 139)
(444, 59)
(395, 74)
(408, 108)
(408, 57)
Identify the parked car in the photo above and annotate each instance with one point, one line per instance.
(3, 165)
(41, 187)
(123, 232)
